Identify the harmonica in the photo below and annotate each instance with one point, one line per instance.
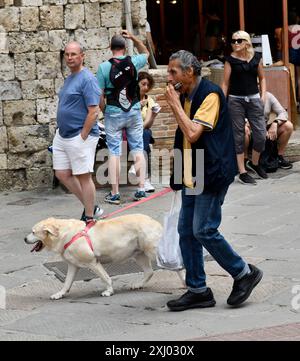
(177, 86)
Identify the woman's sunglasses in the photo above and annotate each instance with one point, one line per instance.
(237, 41)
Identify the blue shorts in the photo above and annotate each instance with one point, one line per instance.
(132, 123)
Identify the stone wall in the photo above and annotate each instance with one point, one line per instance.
(33, 34)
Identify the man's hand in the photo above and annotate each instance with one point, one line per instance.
(141, 48)
(127, 35)
(272, 132)
(172, 96)
(84, 136)
(93, 112)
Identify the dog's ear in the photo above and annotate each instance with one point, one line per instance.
(51, 230)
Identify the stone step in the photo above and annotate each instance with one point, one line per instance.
(293, 148)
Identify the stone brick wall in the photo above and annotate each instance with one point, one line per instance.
(33, 34)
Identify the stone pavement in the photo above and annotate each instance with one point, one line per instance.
(261, 222)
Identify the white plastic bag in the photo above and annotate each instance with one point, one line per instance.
(169, 253)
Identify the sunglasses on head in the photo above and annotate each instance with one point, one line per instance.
(237, 41)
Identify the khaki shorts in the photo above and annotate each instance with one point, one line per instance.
(74, 153)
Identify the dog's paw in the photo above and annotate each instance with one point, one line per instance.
(107, 293)
(57, 296)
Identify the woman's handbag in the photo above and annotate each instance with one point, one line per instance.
(169, 253)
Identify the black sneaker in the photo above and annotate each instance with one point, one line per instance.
(257, 169)
(246, 178)
(283, 163)
(112, 198)
(97, 213)
(192, 300)
(138, 195)
(88, 220)
(242, 289)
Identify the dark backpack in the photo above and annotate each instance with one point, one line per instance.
(123, 76)
(269, 157)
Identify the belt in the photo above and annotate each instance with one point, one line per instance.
(247, 98)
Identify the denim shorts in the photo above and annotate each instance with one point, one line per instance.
(132, 123)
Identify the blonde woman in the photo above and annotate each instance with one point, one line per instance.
(242, 69)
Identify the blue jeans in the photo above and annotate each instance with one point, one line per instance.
(199, 220)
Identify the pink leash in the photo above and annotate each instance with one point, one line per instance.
(149, 198)
(92, 223)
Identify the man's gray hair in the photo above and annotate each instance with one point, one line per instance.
(81, 48)
(187, 60)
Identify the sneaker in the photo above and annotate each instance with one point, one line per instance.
(246, 178)
(257, 169)
(242, 288)
(246, 165)
(112, 198)
(283, 163)
(148, 186)
(97, 213)
(192, 300)
(138, 195)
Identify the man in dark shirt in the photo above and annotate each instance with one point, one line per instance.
(203, 123)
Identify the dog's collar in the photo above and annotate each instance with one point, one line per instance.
(82, 234)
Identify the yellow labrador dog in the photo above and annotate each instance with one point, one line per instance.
(113, 240)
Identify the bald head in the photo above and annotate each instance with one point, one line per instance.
(74, 56)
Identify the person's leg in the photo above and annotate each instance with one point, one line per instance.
(114, 124)
(237, 112)
(255, 113)
(198, 295)
(88, 193)
(134, 132)
(63, 167)
(70, 182)
(284, 133)
(247, 141)
(140, 166)
(191, 248)
(114, 173)
(207, 219)
(82, 157)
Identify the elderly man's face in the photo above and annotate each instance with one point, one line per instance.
(73, 57)
(177, 75)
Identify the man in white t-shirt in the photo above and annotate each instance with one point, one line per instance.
(278, 127)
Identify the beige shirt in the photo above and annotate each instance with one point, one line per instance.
(273, 110)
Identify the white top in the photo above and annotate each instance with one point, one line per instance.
(272, 105)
